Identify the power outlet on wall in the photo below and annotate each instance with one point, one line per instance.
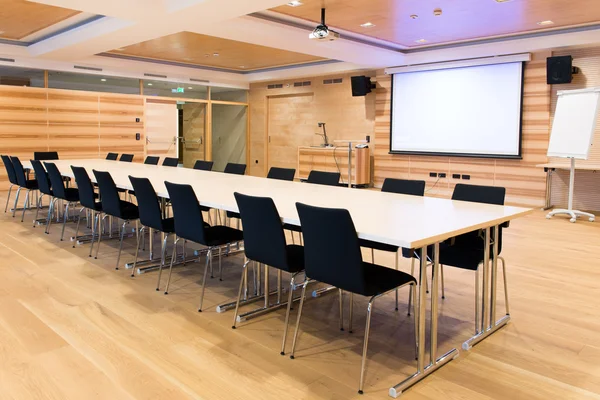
(433, 174)
(442, 174)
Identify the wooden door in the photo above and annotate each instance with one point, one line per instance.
(291, 124)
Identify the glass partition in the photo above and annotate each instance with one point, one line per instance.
(92, 83)
(19, 76)
(175, 89)
(192, 129)
(229, 94)
(229, 125)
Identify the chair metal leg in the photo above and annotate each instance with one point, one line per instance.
(62, 234)
(121, 244)
(220, 265)
(173, 256)
(242, 279)
(351, 312)
(443, 285)
(95, 230)
(37, 209)
(365, 344)
(477, 316)
(77, 228)
(373, 256)
(25, 204)
(100, 234)
(341, 309)
(287, 314)
(16, 201)
(163, 259)
(505, 284)
(412, 272)
(51, 208)
(293, 240)
(183, 253)
(413, 291)
(208, 260)
(396, 264)
(139, 234)
(302, 296)
(8, 197)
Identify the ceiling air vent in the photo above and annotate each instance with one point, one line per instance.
(87, 68)
(275, 86)
(299, 84)
(7, 59)
(199, 80)
(156, 76)
(332, 81)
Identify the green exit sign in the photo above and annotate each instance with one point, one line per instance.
(178, 90)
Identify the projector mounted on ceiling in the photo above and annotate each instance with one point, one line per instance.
(322, 31)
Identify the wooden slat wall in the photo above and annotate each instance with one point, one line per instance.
(587, 183)
(524, 182)
(161, 127)
(77, 124)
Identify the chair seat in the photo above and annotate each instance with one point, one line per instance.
(31, 184)
(381, 279)
(71, 194)
(295, 258)
(233, 214)
(461, 257)
(378, 246)
(220, 235)
(205, 209)
(129, 211)
(293, 228)
(97, 206)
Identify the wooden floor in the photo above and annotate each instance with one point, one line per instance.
(72, 327)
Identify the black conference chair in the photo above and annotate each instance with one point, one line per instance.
(112, 156)
(87, 198)
(235, 169)
(189, 225)
(151, 217)
(151, 160)
(60, 192)
(45, 190)
(264, 243)
(30, 185)
(45, 155)
(12, 177)
(282, 174)
(398, 186)
(203, 165)
(113, 206)
(317, 178)
(324, 178)
(342, 266)
(467, 251)
(126, 157)
(170, 162)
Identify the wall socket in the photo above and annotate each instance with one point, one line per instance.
(442, 174)
(455, 176)
(433, 174)
(466, 177)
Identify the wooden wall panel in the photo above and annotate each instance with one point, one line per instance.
(587, 184)
(118, 126)
(161, 128)
(525, 183)
(73, 123)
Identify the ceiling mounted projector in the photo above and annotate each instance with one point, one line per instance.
(322, 31)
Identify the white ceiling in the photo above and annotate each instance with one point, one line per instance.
(128, 22)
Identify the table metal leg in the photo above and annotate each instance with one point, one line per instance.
(548, 205)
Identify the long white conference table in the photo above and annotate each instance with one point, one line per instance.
(407, 221)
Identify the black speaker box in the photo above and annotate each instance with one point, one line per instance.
(559, 70)
(361, 85)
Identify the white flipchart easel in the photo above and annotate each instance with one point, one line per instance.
(572, 135)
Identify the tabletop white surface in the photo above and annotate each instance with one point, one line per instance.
(402, 220)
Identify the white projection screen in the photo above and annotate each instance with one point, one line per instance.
(466, 111)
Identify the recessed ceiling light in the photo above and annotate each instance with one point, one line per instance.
(1, 32)
(190, 88)
(367, 25)
(242, 66)
(294, 3)
(149, 84)
(120, 49)
(103, 80)
(502, 1)
(421, 41)
(548, 22)
(414, 16)
(215, 54)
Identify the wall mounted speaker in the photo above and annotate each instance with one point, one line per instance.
(361, 85)
(560, 70)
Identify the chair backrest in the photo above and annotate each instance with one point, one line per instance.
(404, 186)
(45, 155)
(109, 195)
(112, 156)
(126, 157)
(324, 178)
(189, 223)
(151, 160)
(10, 170)
(58, 185)
(264, 239)
(331, 248)
(282, 174)
(19, 171)
(479, 194)
(203, 165)
(148, 203)
(170, 162)
(235, 169)
(85, 187)
(42, 177)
